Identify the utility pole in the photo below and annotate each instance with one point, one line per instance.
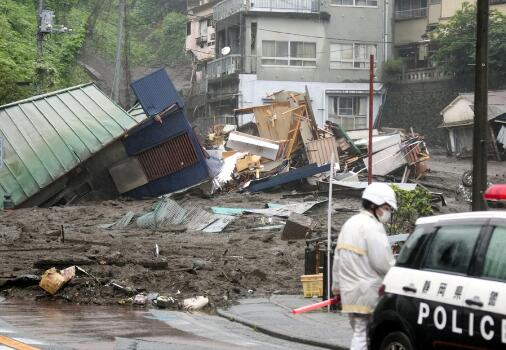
(119, 46)
(40, 49)
(371, 123)
(44, 26)
(480, 134)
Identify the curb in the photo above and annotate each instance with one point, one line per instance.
(276, 334)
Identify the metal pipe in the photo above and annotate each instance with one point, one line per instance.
(371, 124)
(329, 226)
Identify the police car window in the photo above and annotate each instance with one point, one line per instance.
(408, 252)
(495, 259)
(452, 248)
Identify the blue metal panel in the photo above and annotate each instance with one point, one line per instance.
(156, 92)
(152, 133)
(174, 182)
(284, 178)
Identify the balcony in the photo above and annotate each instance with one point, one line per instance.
(410, 14)
(227, 8)
(229, 65)
(423, 74)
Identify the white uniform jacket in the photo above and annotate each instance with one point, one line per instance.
(362, 258)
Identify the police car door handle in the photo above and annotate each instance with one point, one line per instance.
(409, 289)
(474, 302)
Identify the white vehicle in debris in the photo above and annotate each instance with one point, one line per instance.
(448, 287)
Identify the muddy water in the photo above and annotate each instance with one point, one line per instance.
(84, 326)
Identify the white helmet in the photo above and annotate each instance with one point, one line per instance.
(379, 194)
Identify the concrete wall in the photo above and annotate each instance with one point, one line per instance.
(345, 25)
(206, 52)
(434, 13)
(419, 105)
(449, 7)
(253, 90)
(410, 30)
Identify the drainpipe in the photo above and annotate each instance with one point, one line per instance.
(385, 32)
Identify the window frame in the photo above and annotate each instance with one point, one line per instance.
(289, 58)
(353, 60)
(482, 254)
(336, 100)
(355, 4)
(416, 256)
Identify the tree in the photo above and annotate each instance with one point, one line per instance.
(456, 42)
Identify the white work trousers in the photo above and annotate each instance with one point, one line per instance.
(359, 324)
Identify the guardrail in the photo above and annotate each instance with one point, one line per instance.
(227, 8)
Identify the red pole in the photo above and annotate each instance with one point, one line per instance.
(371, 125)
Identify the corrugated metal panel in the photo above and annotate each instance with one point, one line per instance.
(168, 213)
(48, 135)
(320, 151)
(156, 92)
(137, 113)
(169, 157)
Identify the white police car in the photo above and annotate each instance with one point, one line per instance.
(448, 287)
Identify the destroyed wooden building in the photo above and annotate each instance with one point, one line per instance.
(77, 143)
(458, 120)
(56, 147)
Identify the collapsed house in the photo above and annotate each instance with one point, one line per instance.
(286, 145)
(57, 146)
(77, 143)
(164, 154)
(458, 120)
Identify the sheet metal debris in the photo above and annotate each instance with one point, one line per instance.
(168, 213)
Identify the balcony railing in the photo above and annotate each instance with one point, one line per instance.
(229, 65)
(223, 66)
(227, 8)
(423, 74)
(411, 13)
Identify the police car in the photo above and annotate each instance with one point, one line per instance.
(447, 289)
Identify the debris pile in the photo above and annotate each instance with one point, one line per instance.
(289, 147)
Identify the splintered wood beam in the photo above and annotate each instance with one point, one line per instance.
(292, 109)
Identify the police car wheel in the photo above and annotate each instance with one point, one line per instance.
(396, 341)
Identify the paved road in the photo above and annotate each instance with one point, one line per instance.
(62, 327)
(452, 165)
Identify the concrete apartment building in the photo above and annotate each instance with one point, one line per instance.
(263, 46)
(413, 20)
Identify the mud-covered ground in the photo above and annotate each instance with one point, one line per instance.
(243, 260)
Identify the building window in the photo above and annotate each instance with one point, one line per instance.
(288, 53)
(188, 28)
(358, 3)
(351, 56)
(349, 111)
(408, 9)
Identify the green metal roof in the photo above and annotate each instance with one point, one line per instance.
(46, 136)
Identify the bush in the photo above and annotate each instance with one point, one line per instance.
(391, 69)
(411, 206)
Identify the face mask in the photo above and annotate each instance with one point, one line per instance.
(385, 216)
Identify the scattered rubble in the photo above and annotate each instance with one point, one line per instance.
(236, 211)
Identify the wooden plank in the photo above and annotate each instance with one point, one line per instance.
(493, 144)
(15, 344)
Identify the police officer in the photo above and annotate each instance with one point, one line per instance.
(362, 258)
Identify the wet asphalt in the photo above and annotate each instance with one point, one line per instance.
(50, 326)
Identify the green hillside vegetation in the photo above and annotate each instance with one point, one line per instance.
(154, 36)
